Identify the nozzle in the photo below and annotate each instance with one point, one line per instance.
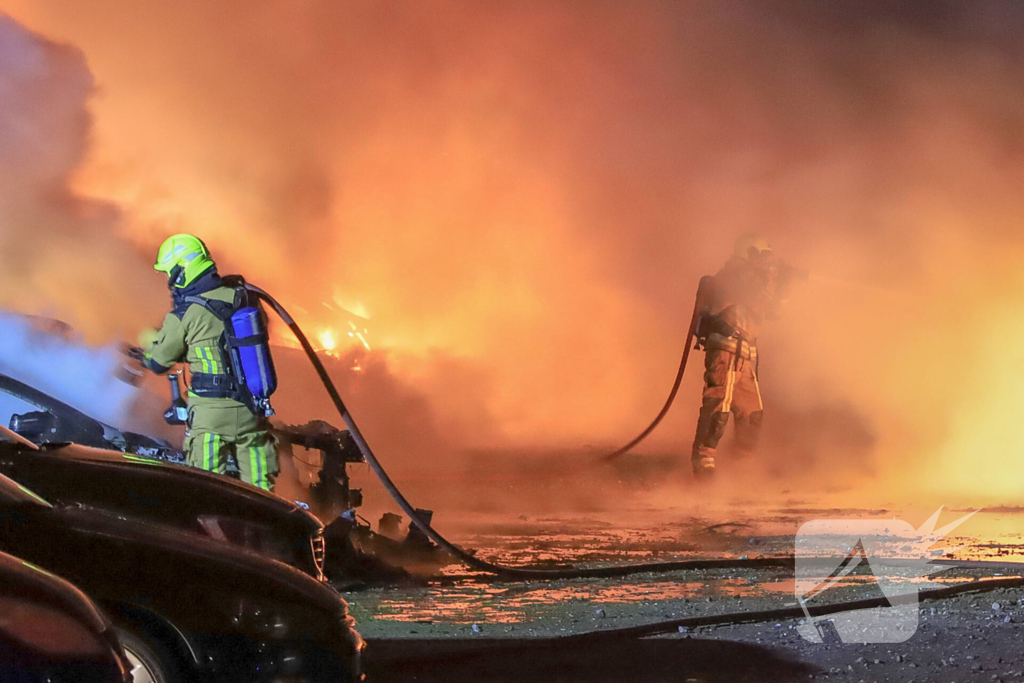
(133, 352)
(177, 413)
(175, 385)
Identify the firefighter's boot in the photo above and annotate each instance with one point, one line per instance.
(710, 427)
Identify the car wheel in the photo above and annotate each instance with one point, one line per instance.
(151, 661)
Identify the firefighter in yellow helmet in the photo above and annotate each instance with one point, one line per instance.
(219, 421)
(748, 290)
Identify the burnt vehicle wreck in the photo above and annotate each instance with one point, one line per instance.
(354, 551)
(239, 616)
(41, 418)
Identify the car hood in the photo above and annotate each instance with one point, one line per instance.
(193, 548)
(226, 484)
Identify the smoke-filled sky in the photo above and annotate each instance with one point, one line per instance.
(521, 196)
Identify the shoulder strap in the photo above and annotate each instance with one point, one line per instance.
(222, 310)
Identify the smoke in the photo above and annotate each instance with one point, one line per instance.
(522, 196)
(60, 251)
(84, 377)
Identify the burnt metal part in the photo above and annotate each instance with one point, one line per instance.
(349, 566)
(389, 525)
(223, 613)
(332, 494)
(72, 425)
(55, 633)
(415, 552)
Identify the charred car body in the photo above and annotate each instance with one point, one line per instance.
(42, 418)
(138, 476)
(135, 475)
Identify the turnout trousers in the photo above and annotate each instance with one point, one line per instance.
(218, 427)
(730, 386)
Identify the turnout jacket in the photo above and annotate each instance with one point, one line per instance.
(192, 333)
(742, 295)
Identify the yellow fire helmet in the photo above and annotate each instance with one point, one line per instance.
(752, 247)
(184, 258)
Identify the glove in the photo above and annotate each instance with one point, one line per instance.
(130, 371)
(133, 352)
(148, 337)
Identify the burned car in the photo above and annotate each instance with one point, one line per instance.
(50, 631)
(41, 418)
(186, 607)
(190, 499)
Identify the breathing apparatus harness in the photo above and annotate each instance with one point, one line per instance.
(249, 376)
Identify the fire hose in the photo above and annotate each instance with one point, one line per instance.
(521, 573)
(468, 558)
(690, 334)
(455, 551)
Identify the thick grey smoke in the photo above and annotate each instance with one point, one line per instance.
(59, 252)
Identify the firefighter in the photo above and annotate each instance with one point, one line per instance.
(748, 290)
(220, 421)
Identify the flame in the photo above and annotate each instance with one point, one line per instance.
(508, 193)
(327, 341)
(356, 334)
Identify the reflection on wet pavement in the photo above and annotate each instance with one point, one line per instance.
(584, 604)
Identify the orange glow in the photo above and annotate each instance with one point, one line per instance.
(488, 184)
(327, 342)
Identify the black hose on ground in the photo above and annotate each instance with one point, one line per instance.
(481, 646)
(735, 618)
